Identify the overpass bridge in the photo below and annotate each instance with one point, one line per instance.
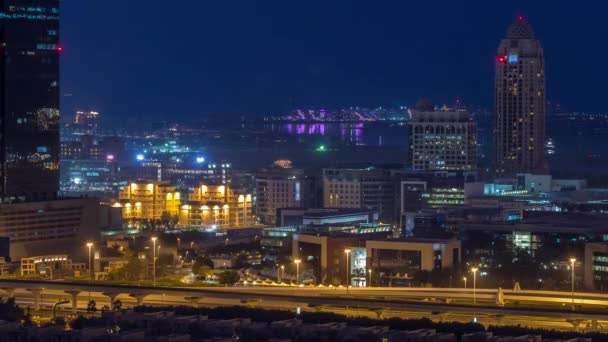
(592, 309)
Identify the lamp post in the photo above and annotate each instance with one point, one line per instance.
(297, 261)
(279, 274)
(465, 282)
(572, 262)
(282, 273)
(474, 270)
(154, 260)
(347, 251)
(179, 243)
(370, 277)
(89, 245)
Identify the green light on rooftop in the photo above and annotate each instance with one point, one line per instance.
(321, 148)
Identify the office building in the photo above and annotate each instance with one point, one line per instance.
(520, 102)
(283, 188)
(216, 206)
(52, 227)
(150, 201)
(304, 217)
(596, 266)
(88, 177)
(189, 174)
(369, 187)
(430, 190)
(326, 255)
(29, 99)
(442, 140)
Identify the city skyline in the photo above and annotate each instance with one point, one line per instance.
(320, 55)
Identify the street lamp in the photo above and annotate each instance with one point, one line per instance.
(90, 244)
(279, 274)
(297, 261)
(226, 242)
(465, 282)
(474, 270)
(347, 251)
(179, 243)
(154, 260)
(572, 261)
(282, 273)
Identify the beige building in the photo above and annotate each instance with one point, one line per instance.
(442, 140)
(520, 102)
(218, 206)
(369, 188)
(52, 227)
(148, 201)
(276, 189)
(45, 265)
(327, 251)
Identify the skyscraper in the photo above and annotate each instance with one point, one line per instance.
(520, 102)
(29, 99)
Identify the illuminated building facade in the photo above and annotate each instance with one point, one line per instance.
(89, 177)
(185, 174)
(86, 121)
(152, 201)
(29, 99)
(520, 102)
(430, 190)
(217, 206)
(442, 140)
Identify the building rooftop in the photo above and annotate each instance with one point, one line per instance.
(335, 212)
(520, 29)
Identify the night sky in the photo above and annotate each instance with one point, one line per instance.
(189, 59)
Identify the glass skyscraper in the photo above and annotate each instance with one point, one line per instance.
(29, 99)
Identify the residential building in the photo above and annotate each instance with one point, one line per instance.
(152, 201)
(216, 206)
(520, 102)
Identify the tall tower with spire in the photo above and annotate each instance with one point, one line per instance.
(520, 102)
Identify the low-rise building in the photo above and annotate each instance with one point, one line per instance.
(216, 206)
(152, 201)
(329, 254)
(52, 227)
(596, 266)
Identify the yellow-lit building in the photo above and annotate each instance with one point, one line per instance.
(216, 206)
(148, 201)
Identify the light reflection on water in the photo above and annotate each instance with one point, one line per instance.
(354, 133)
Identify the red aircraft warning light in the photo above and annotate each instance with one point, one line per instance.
(500, 59)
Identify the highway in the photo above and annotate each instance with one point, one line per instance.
(540, 309)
